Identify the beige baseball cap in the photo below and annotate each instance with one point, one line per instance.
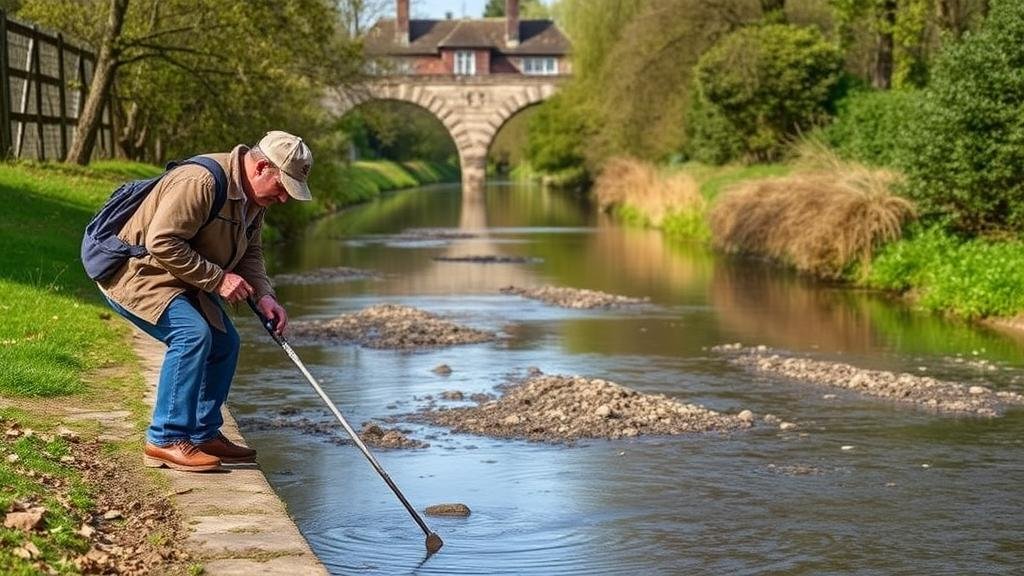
(292, 157)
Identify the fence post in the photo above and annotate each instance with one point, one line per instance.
(37, 66)
(63, 99)
(6, 137)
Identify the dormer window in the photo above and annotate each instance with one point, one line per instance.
(545, 66)
(465, 63)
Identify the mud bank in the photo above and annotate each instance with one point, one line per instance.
(436, 234)
(372, 434)
(575, 297)
(390, 326)
(566, 408)
(325, 275)
(908, 389)
(489, 259)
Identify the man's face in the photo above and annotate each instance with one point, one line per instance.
(267, 188)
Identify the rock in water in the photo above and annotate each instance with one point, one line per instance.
(456, 510)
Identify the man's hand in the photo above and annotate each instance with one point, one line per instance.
(273, 312)
(234, 288)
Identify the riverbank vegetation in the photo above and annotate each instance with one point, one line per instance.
(918, 105)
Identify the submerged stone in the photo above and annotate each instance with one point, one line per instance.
(457, 510)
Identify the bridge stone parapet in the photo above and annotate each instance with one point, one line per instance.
(472, 108)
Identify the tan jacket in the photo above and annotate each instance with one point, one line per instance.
(185, 257)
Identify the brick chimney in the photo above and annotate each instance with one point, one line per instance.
(402, 22)
(512, 23)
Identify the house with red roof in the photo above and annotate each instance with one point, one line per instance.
(469, 47)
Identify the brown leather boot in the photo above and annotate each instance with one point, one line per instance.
(228, 451)
(182, 455)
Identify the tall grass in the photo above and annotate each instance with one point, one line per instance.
(640, 188)
(824, 217)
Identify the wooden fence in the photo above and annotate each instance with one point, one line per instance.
(44, 80)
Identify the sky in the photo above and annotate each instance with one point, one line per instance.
(437, 8)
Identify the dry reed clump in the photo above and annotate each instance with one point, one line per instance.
(638, 184)
(821, 219)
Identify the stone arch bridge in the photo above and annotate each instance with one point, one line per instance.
(472, 108)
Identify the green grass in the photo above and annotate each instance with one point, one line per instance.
(970, 278)
(431, 173)
(714, 179)
(55, 327)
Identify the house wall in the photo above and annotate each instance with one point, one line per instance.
(501, 64)
(483, 62)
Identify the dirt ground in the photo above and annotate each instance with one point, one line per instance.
(129, 530)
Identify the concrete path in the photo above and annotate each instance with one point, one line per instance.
(238, 524)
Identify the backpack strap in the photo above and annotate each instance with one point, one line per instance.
(220, 183)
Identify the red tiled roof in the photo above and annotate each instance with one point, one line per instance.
(536, 37)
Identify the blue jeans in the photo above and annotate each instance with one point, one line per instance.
(195, 376)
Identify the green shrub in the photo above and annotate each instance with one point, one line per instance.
(966, 145)
(971, 278)
(871, 126)
(713, 139)
(557, 134)
(759, 87)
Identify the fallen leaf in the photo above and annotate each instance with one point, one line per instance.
(32, 549)
(67, 434)
(86, 531)
(112, 515)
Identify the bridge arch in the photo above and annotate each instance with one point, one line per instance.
(472, 109)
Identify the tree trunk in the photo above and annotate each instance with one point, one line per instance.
(951, 17)
(881, 76)
(99, 88)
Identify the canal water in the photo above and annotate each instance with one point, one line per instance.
(862, 486)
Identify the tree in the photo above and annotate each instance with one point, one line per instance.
(527, 9)
(966, 143)
(205, 71)
(766, 84)
(891, 43)
(356, 15)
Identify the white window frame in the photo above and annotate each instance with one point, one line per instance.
(465, 63)
(540, 66)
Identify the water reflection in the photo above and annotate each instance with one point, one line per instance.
(704, 504)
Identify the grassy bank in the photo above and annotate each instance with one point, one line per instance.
(674, 199)
(970, 278)
(825, 217)
(57, 340)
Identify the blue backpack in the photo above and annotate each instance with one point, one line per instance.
(103, 253)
